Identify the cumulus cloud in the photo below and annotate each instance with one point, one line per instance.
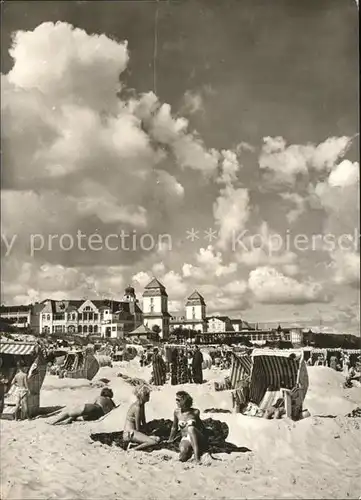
(209, 263)
(173, 282)
(299, 204)
(346, 268)
(231, 209)
(192, 102)
(345, 174)
(73, 145)
(231, 212)
(39, 282)
(269, 286)
(267, 248)
(338, 196)
(283, 164)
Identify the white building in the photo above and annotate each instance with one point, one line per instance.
(218, 324)
(195, 314)
(22, 317)
(122, 317)
(155, 307)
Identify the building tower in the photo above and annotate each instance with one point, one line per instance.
(129, 295)
(155, 307)
(130, 303)
(196, 311)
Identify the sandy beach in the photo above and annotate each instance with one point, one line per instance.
(314, 458)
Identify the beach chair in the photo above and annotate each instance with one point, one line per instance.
(240, 371)
(286, 373)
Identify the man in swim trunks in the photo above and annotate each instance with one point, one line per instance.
(101, 406)
(187, 419)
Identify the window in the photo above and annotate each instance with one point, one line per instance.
(193, 312)
(80, 317)
(96, 316)
(90, 328)
(95, 328)
(48, 318)
(85, 329)
(87, 308)
(80, 328)
(44, 316)
(151, 304)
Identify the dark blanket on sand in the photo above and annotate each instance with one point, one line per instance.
(217, 433)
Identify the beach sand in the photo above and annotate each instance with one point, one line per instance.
(315, 458)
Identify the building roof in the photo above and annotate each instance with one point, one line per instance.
(221, 318)
(15, 309)
(154, 284)
(195, 298)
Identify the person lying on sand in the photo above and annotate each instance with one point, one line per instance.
(135, 421)
(187, 419)
(101, 406)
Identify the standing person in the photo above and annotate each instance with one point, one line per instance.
(20, 382)
(333, 363)
(174, 367)
(135, 421)
(3, 382)
(182, 367)
(197, 366)
(189, 362)
(159, 368)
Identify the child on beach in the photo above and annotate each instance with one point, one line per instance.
(187, 419)
(101, 406)
(135, 421)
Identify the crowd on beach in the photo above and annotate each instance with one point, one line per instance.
(170, 364)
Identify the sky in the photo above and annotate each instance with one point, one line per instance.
(213, 145)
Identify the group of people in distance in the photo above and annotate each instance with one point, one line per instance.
(183, 366)
(186, 419)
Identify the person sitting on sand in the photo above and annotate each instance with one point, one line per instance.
(187, 419)
(135, 421)
(101, 406)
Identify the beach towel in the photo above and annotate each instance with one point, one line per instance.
(216, 434)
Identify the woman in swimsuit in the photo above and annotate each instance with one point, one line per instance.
(187, 419)
(135, 421)
(101, 406)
